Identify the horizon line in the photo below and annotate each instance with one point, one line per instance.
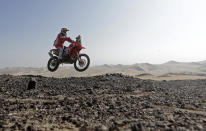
(68, 65)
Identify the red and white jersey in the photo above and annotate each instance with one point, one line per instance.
(61, 38)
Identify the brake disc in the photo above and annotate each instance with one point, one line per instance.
(81, 63)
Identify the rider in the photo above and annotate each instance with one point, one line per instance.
(59, 42)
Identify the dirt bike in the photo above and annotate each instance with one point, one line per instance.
(71, 55)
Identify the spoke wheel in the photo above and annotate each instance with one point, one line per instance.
(53, 64)
(83, 63)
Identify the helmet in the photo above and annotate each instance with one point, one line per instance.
(64, 30)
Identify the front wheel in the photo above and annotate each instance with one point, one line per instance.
(83, 63)
(53, 64)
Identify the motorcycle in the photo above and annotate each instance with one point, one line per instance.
(71, 55)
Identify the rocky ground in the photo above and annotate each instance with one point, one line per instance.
(106, 102)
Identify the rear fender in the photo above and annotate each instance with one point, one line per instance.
(53, 51)
(50, 54)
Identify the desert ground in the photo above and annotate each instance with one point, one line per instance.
(170, 77)
(102, 102)
(170, 70)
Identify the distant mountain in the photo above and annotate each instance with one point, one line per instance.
(148, 67)
(136, 67)
(202, 62)
(171, 62)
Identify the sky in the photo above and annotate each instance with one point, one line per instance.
(114, 31)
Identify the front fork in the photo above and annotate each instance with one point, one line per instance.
(78, 58)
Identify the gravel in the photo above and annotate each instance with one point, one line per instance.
(101, 103)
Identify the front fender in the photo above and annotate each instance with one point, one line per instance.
(81, 47)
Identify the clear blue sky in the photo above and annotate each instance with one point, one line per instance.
(114, 31)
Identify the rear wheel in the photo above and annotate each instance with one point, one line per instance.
(83, 63)
(53, 64)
